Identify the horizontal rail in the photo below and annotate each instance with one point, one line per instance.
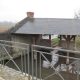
(57, 55)
(13, 46)
(13, 42)
(36, 51)
(64, 50)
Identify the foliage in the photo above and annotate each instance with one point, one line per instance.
(77, 15)
(6, 23)
(78, 43)
(55, 41)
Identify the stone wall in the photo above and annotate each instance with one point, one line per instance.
(7, 37)
(45, 42)
(64, 44)
(27, 39)
(22, 38)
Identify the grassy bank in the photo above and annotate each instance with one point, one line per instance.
(78, 43)
(77, 46)
(55, 41)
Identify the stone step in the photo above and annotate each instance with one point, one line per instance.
(1, 78)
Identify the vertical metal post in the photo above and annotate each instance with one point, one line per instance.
(40, 66)
(2, 59)
(1, 55)
(28, 62)
(21, 62)
(78, 64)
(32, 62)
(36, 65)
(25, 61)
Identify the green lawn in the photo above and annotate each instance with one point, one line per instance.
(78, 43)
(55, 41)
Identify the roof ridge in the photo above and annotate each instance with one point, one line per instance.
(18, 25)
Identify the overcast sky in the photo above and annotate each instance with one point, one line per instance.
(15, 10)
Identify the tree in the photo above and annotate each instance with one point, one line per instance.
(77, 15)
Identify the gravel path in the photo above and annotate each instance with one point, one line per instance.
(7, 73)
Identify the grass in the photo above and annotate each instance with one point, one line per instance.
(55, 41)
(78, 43)
(77, 46)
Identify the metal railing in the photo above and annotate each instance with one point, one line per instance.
(69, 71)
(10, 50)
(55, 69)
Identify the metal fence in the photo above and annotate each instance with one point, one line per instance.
(49, 63)
(51, 66)
(10, 50)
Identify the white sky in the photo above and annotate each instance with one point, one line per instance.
(15, 10)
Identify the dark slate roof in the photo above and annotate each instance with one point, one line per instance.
(48, 26)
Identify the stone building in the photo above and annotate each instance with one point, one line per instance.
(30, 31)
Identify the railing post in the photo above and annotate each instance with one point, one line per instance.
(36, 65)
(40, 65)
(21, 62)
(25, 62)
(1, 59)
(28, 62)
(32, 62)
(78, 64)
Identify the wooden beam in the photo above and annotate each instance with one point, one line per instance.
(34, 42)
(50, 37)
(68, 39)
(68, 47)
(73, 37)
(60, 37)
(64, 36)
(50, 40)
